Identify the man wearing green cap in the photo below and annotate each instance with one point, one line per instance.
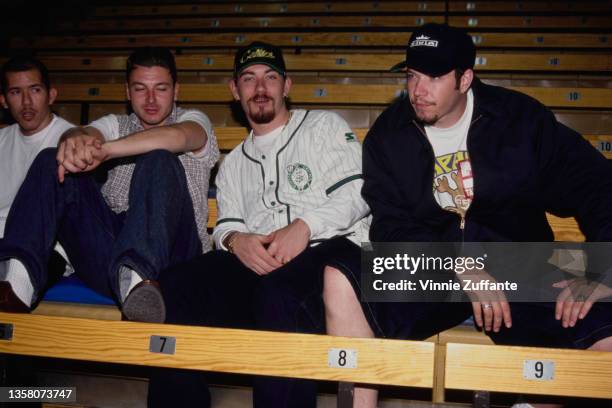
(290, 222)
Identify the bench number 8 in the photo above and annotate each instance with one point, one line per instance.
(342, 358)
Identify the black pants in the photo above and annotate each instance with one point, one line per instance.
(216, 289)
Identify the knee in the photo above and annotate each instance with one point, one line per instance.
(159, 165)
(602, 345)
(337, 291)
(156, 160)
(46, 159)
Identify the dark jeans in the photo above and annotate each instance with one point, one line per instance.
(216, 289)
(157, 231)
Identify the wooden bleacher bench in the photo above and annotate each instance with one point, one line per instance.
(361, 38)
(546, 61)
(403, 21)
(270, 8)
(233, 22)
(529, 6)
(530, 22)
(352, 7)
(224, 350)
(332, 93)
(575, 373)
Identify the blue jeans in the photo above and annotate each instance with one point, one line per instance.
(157, 231)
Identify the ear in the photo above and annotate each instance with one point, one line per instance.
(176, 91)
(287, 87)
(466, 80)
(127, 91)
(234, 89)
(3, 101)
(52, 95)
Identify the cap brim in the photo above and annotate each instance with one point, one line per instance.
(280, 71)
(399, 67)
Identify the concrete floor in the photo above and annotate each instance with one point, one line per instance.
(114, 392)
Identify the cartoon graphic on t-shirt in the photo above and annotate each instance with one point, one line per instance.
(453, 185)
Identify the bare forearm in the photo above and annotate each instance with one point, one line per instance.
(178, 138)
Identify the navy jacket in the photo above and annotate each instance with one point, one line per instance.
(524, 163)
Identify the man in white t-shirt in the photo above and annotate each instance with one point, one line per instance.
(149, 214)
(28, 96)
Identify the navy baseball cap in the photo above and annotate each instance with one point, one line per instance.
(259, 53)
(437, 49)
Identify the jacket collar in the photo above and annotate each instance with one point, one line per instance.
(486, 99)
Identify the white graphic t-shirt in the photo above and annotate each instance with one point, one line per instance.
(453, 184)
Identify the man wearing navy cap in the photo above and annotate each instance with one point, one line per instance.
(457, 160)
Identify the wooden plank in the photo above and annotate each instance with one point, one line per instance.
(263, 8)
(300, 93)
(542, 40)
(463, 334)
(355, 21)
(528, 6)
(348, 61)
(334, 94)
(542, 61)
(570, 97)
(439, 371)
(242, 22)
(603, 143)
(531, 22)
(500, 368)
(394, 362)
(565, 229)
(313, 39)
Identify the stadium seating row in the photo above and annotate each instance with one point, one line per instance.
(352, 7)
(544, 61)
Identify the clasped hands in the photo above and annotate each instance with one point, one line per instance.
(265, 253)
(79, 153)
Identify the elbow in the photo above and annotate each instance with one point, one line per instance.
(192, 137)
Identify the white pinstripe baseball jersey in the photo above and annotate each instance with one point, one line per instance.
(312, 172)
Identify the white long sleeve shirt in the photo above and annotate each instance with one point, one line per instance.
(312, 172)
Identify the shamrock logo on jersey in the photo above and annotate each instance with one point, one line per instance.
(299, 176)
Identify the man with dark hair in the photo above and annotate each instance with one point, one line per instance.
(27, 94)
(457, 160)
(151, 57)
(290, 222)
(149, 214)
(21, 64)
